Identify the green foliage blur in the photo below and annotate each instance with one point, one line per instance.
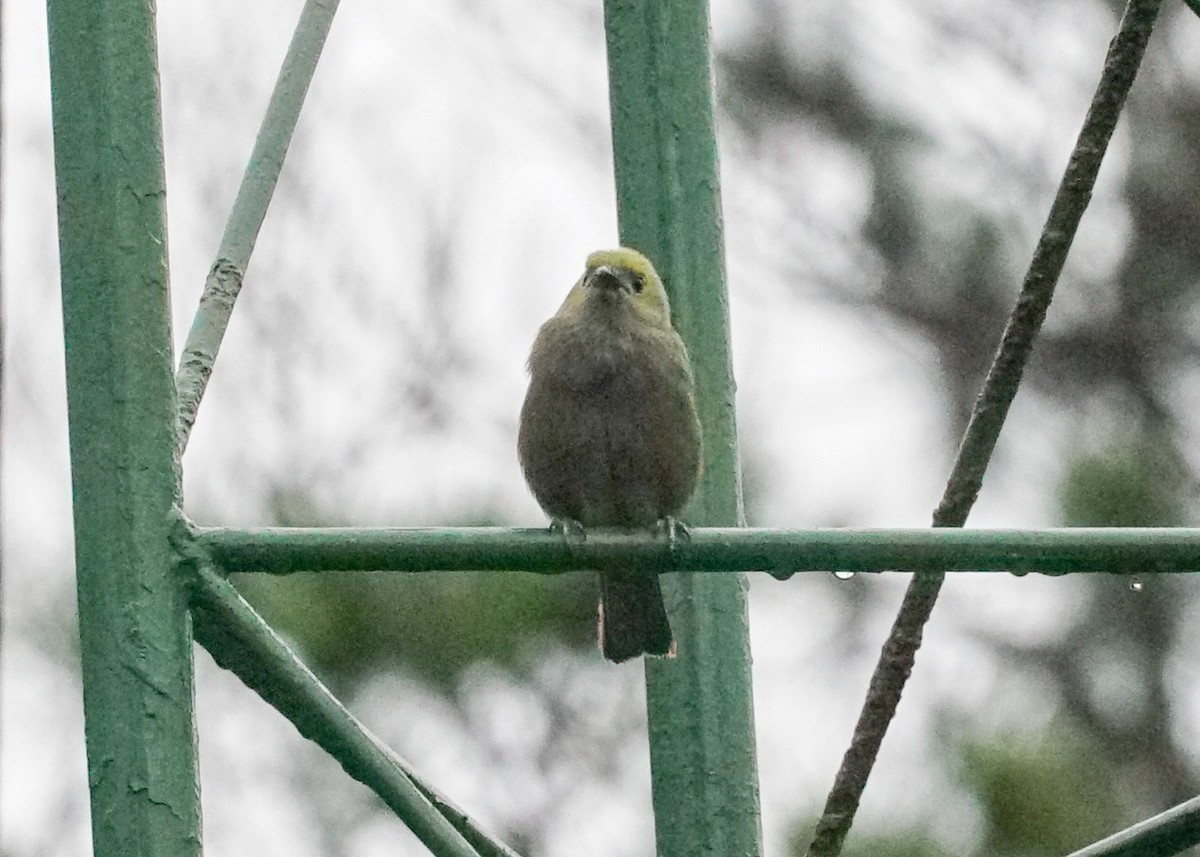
(1039, 795)
(435, 625)
(1138, 480)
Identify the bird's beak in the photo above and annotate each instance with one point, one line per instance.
(607, 278)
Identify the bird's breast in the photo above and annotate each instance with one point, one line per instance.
(609, 430)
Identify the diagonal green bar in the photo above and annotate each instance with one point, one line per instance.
(135, 636)
(281, 550)
(241, 642)
(700, 704)
(249, 209)
(1167, 833)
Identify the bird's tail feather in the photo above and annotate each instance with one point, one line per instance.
(633, 618)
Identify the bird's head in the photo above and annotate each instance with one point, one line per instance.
(624, 278)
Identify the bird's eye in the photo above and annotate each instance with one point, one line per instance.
(639, 282)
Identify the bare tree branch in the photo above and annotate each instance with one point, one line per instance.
(991, 408)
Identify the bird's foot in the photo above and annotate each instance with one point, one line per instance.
(571, 530)
(675, 531)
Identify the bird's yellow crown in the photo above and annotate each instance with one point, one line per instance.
(649, 301)
(623, 257)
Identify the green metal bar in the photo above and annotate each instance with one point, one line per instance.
(1170, 832)
(240, 641)
(700, 705)
(249, 209)
(1133, 550)
(987, 419)
(136, 643)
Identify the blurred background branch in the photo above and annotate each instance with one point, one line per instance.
(987, 419)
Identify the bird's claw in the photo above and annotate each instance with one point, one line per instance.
(571, 530)
(675, 531)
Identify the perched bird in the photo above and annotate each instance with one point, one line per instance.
(609, 434)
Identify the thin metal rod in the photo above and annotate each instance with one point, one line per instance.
(135, 637)
(987, 418)
(249, 209)
(1170, 832)
(281, 550)
(241, 642)
(1167, 833)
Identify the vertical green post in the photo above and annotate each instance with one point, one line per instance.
(700, 703)
(134, 627)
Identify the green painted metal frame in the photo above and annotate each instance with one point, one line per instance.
(781, 553)
(240, 641)
(145, 574)
(249, 209)
(135, 632)
(699, 704)
(1170, 832)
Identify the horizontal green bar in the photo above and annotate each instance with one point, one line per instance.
(1167, 833)
(778, 552)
